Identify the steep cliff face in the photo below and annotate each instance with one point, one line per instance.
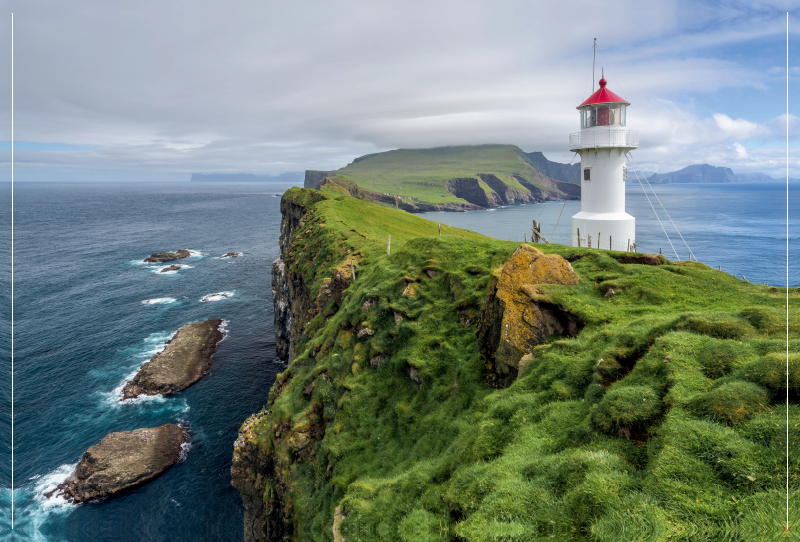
(253, 473)
(290, 298)
(469, 189)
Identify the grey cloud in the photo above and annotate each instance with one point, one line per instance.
(270, 87)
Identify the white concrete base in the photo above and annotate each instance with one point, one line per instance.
(621, 227)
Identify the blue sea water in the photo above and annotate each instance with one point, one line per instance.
(89, 312)
(740, 227)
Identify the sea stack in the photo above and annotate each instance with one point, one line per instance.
(122, 461)
(183, 362)
(168, 256)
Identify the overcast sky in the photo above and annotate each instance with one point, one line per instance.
(165, 88)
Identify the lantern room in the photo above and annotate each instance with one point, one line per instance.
(603, 108)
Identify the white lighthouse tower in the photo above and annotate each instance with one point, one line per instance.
(602, 143)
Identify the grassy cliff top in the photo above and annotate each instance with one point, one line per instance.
(422, 173)
(664, 418)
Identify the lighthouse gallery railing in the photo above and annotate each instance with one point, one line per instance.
(604, 138)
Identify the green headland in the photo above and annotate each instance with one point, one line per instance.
(461, 388)
(477, 176)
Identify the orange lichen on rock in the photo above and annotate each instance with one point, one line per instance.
(515, 318)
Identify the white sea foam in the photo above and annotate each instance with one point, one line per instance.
(158, 269)
(34, 509)
(223, 328)
(185, 447)
(48, 482)
(229, 257)
(216, 297)
(159, 301)
(194, 253)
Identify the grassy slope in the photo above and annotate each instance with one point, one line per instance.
(542, 459)
(422, 173)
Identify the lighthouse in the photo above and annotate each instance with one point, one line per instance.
(602, 143)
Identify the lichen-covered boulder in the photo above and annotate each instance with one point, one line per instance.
(516, 317)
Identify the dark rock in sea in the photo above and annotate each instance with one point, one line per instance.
(122, 461)
(231, 255)
(167, 256)
(182, 363)
(170, 268)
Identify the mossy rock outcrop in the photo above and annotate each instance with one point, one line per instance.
(516, 317)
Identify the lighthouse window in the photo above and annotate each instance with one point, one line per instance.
(603, 115)
(588, 118)
(587, 174)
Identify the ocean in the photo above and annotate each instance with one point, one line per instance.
(89, 312)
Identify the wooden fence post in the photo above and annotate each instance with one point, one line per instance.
(589, 240)
(353, 269)
(609, 242)
(440, 229)
(579, 238)
(535, 232)
(389, 246)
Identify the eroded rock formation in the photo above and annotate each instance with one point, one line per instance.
(516, 317)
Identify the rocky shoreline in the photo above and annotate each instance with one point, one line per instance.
(122, 461)
(183, 362)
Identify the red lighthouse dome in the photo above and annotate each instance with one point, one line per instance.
(603, 96)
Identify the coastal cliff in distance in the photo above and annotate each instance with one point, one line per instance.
(455, 178)
(461, 388)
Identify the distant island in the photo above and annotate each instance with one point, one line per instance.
(291, 177)
(705, 173)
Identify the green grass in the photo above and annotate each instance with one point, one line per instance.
(664, 419)
(422, 173)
